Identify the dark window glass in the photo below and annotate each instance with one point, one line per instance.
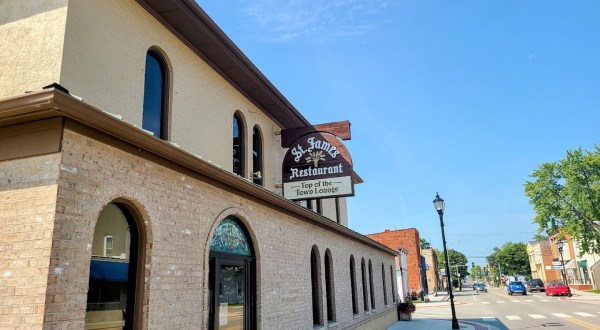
(329, 287)
(238, 146)
(385, 300)
(353, 285)
(316, 287)
(309, 204)
(338, 217)
(364, 285)
(257, 170)
(154, 114)
(371, 288)
(319, 206)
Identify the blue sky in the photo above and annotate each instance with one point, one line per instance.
(464, 98)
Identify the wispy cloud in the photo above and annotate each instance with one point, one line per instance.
(284, 20)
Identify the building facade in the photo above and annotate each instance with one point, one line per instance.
(122, 204)
(540, 261)
(409, 240)
(431, 270)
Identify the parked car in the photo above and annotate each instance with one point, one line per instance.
(474, 284)
(479, 287)
(535, 285)
(516, 287)
(557, 288)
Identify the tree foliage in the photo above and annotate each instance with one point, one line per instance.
(566, 196)
(424, 244)
(477, 273)
(510, 259)
(457, 261)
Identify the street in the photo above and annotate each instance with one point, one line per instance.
(534, 310)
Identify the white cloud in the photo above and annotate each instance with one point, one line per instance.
(284, 20)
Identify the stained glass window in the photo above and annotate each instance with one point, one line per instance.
(230, 238)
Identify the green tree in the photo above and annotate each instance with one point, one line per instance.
(510, 259)
(540, 237)
(566, 196)
(424, 244)
(477, 273)
(458, 261)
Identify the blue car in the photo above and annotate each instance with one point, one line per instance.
(516, 287)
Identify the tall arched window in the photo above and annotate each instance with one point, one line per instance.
(385, 299)
(315, 279)
(364, 285)
(257, 156)
(353, 285)
(329, 287)
(393, 280)
(238, 145)
(232, 277)
(113, 280)
(155, 113)
(371, 287)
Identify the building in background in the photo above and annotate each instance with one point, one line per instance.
(141, 176)
(431, 269)
(409, 240)
(540, 261)
(582, 269)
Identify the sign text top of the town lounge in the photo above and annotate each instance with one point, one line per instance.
(317, 165)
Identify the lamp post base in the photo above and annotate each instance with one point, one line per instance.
(455, 324)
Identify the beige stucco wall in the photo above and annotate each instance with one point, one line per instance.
(104, 61)
(31, 40)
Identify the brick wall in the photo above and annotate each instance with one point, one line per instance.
(409, 240)
(27, 208)
(180, 212)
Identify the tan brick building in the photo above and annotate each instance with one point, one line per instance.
(432, 273)
(409, 240)
(121, 204)
(540, 261)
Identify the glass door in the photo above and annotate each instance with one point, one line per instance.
(231, 297)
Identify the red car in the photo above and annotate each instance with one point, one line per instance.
(558, 288)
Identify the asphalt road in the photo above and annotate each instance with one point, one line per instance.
(531, 311)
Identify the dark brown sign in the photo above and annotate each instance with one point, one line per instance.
(317, 165)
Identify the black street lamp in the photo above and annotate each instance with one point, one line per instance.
(559, 245)
(439, 207)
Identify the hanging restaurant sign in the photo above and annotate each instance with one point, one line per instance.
(317, 165)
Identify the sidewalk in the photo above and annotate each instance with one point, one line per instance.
(442, 298)
(578, 295)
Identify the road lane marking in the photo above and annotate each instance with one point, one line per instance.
(544, 300)
(516, 301)
(487, 302)
(560, 315)
(529, 300)
(537, 316)
(500, 301)
(584, 314)
(513, 317)
(583, 324)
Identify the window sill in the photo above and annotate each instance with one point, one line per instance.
(332, 325)
(356, 316)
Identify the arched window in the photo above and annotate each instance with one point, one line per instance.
(232, 277)
(238, 145)
(353, 285)
(393, 280)
(315, 279)
(257, 156)
(385, 299)
(364, 285)
(113, 281)
(155, 113)
(329, 287)
(371, 288)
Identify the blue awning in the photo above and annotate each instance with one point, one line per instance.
(109, 271)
